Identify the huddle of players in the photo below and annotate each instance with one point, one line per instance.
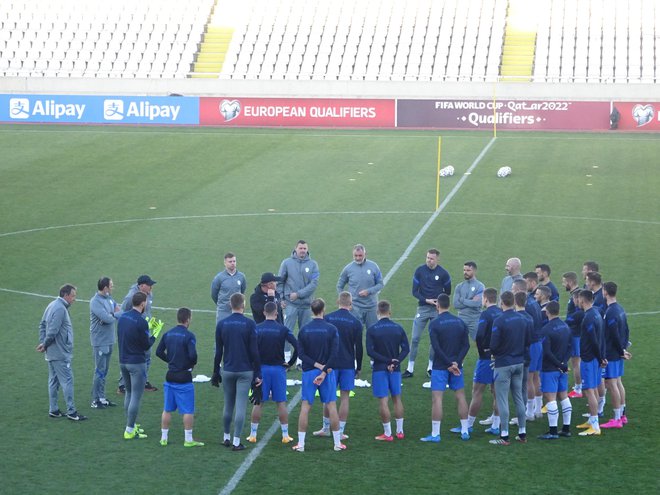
(594, 335)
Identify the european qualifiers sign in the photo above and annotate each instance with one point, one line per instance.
(507, 114)
(296, 112)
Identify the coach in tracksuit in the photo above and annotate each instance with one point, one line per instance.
(299, 276)
(364, 281)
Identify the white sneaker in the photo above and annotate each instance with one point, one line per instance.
(321, 433)
(426, 385)
(486, 422)
(513, 421)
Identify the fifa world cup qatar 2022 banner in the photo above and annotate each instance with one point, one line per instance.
(507, 114)
(641, 116)
(296, 112)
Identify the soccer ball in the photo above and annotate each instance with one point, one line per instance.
(448, 171)
(504, 172)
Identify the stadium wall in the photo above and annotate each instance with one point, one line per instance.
(331, 89)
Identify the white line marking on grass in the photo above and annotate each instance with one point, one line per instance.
(254, 453)
(48, 296)
(218, 215)
(233, 482)
(442, 206)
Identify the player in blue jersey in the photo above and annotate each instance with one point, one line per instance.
(556, 342)
(508, 343)
(348, 363)
(595, 285)
(574, 314)
(178, 349)
(532, 307)
(272, 337)
(543, 272)
(483, 373)
(450, 341)
(387, 345)
(236, 347)
(318, 344)
(592, 356)
(429, 280)
(616, 341)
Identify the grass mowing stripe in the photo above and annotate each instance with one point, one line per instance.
(252, 456)
(240, 472)
(555, 217)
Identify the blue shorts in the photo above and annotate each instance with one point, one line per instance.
(274, 382)
(385, 383)
(575, 346)
(483, 373)
(345, 379)
(590, 371)
(535, 357)
(614, 369)
(440, 379)
(327, 389)
(179, 396)
(554, 381)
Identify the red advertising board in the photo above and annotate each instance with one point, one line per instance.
(640, 115)
(295, 112)
(507, 114)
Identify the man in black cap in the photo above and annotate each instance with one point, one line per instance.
(265, 292)
(145, 285)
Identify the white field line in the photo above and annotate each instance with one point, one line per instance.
(219, 215)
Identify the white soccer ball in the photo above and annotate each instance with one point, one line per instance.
(447, 171)
(504, 172)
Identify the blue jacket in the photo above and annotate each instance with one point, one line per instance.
(485, 329)
(178, 349)
(318, 342)
(133, 338)
(236, 341)
(429, 284)
(350, 339)
(592, 343)
(556, 338)
(387, 340)
(449, 339)
(509, 339)
(271, 339)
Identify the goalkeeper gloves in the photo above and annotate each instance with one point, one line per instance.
(155, 326)
(256, 394)
(216, 379)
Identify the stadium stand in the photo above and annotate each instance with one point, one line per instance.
(372, 40)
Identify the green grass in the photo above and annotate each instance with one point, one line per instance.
(171, 202)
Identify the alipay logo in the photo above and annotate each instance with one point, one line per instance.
(113, 109)
(19, 108)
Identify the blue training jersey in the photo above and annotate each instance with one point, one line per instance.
(272, 336)
(556, 339)
(350, 340)
(386, 341)
(318, 342)
(449, 339)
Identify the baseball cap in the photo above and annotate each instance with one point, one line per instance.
(269, 277)
(145, 279)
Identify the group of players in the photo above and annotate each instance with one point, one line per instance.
(523, 347)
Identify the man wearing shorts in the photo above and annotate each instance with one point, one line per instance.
(556, 342)
(272, 336)
(178, 349)
(591, 354)
(449, 338)
(387, 345)
(318, 342)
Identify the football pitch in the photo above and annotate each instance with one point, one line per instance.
(79, 203)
